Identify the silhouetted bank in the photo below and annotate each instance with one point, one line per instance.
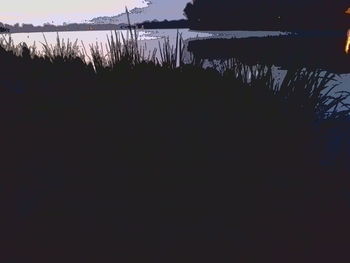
(317, 50)
(136, 160)
(272, 15)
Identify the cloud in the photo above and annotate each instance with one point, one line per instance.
(157, 9)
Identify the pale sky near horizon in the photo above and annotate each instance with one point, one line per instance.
(59, 11)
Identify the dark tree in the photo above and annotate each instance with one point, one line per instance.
(4, 29)
(268, 14)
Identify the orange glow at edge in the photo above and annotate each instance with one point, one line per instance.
(347, 47)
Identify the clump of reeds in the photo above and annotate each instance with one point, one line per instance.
(313, 91)
(8, 45)
(64, 50)
(128, 50)
(172, 57)
(308, 91)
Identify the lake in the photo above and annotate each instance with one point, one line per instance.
(148, 37)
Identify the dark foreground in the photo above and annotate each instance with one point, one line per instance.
(151, 163)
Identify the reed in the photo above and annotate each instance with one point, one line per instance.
(309, 92)
(65, 50)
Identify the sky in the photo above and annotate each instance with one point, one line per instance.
(59, 11)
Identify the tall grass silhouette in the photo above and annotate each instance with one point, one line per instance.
(301, 89)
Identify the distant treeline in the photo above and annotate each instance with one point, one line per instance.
(27, 28)
(268, 14)
(164, 24)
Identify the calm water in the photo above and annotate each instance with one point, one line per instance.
(150, 38)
